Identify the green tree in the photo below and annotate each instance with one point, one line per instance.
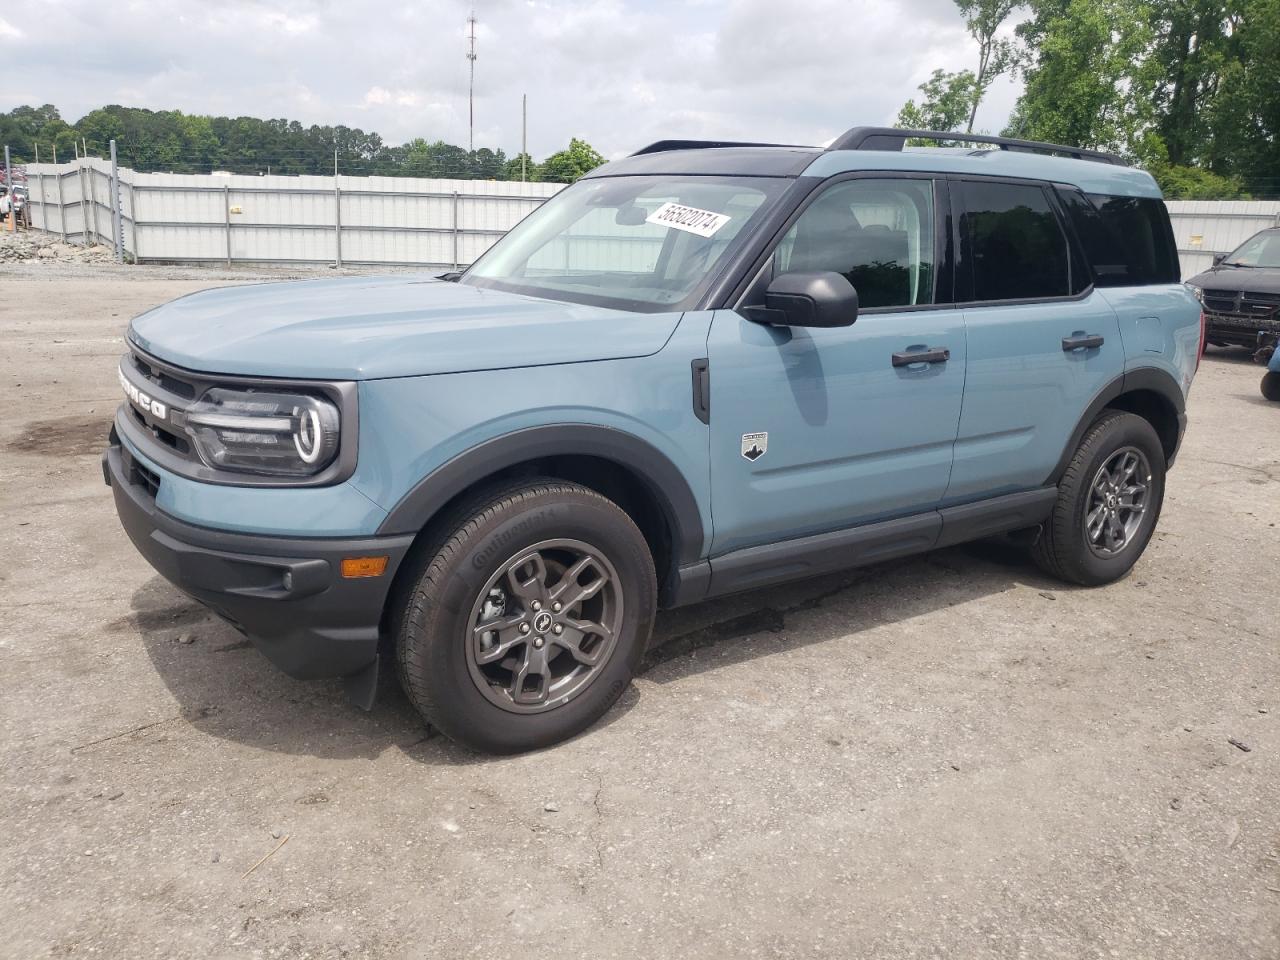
(514, 170)
(946, 104)
(1243, 122)
(1194, 183)
(571, 163)
(983, 19)
(1079, 66)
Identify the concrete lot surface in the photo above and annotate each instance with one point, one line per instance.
(948, 757)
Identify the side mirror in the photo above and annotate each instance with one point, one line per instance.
(820, 299)
(1218, 258)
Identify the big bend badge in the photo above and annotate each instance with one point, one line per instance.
(754, 445)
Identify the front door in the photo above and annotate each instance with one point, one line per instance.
(817, 429)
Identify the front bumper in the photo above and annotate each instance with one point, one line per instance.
(1236, 330)
(285, 593)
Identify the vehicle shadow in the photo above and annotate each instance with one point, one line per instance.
(1241, 356)
(226, 689)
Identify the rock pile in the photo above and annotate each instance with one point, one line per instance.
(30, 246)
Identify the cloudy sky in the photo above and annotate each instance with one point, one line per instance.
(618, 73)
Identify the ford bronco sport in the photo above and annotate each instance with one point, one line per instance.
(699, 370)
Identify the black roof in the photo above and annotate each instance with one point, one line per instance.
(730, 158)
(723, 160)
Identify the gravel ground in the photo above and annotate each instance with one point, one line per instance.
(950, 756)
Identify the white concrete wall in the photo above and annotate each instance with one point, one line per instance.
(185, 217)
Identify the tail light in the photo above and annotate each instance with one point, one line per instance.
(1203, 335)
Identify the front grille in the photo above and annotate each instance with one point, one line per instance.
(175, 388)
(1238, 303)
(162, 378)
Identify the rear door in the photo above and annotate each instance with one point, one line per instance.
(1042, 343)
(1129, 244)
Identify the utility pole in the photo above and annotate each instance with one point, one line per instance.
(471, 94)
(524, 135)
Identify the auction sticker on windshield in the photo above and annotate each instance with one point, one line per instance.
(704, 223)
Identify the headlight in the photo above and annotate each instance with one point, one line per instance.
(1197, 292)
(278, 434)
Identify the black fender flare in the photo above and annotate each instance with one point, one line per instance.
(663, 479)
(1151, 379)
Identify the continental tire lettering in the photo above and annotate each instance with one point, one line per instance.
(500, 540)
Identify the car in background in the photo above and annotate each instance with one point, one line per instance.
(1241, 292)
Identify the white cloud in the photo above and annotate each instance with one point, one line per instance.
(619, 73)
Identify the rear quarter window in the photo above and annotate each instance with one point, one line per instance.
(1128, 241)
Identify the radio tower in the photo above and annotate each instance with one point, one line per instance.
(471, 93)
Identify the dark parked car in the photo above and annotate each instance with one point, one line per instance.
(1241, 292)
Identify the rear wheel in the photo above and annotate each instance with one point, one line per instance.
(528, 619)
(1109, 499)
(1271, 385)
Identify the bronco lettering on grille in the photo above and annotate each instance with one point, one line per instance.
(140, 399)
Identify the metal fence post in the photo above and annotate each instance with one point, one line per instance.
(337, 221)
(93, 203)
(133, 217)
(44, 213)
(455, 230)
(84, 193)
(226, 203)
(117, 232)
(57, 182)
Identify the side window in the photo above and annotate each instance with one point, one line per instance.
(1127, 240)
(1012, 245)
(878, 233)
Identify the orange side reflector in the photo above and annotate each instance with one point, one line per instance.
(353, 567)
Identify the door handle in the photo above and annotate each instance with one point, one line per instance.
(932, 355)
(1081, 341)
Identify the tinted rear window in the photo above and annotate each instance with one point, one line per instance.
(1012, 243)
(1127, 240)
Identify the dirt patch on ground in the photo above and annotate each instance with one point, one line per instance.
(77, 436)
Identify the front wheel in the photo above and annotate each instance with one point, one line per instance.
(1271, 384)
(528, 617)
(1109, 499)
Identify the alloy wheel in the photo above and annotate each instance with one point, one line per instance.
(1117, 501)
(544, 626)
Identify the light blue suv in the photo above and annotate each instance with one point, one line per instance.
(700, 370)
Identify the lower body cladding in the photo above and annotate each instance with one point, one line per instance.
(287, 595)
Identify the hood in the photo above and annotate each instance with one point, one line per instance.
(1248, 279)
(366, 328)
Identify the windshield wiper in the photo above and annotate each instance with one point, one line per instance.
(1237, 263)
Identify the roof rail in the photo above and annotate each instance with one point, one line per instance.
(890, 138)
(662, 146)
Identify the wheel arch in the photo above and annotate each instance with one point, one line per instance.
(1149, 393)
(633, 473)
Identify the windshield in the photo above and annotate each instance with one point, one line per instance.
(637, 243)
(1260, 250)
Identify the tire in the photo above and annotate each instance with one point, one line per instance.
(468, 576)
(1066, 549)
(1271, 385)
